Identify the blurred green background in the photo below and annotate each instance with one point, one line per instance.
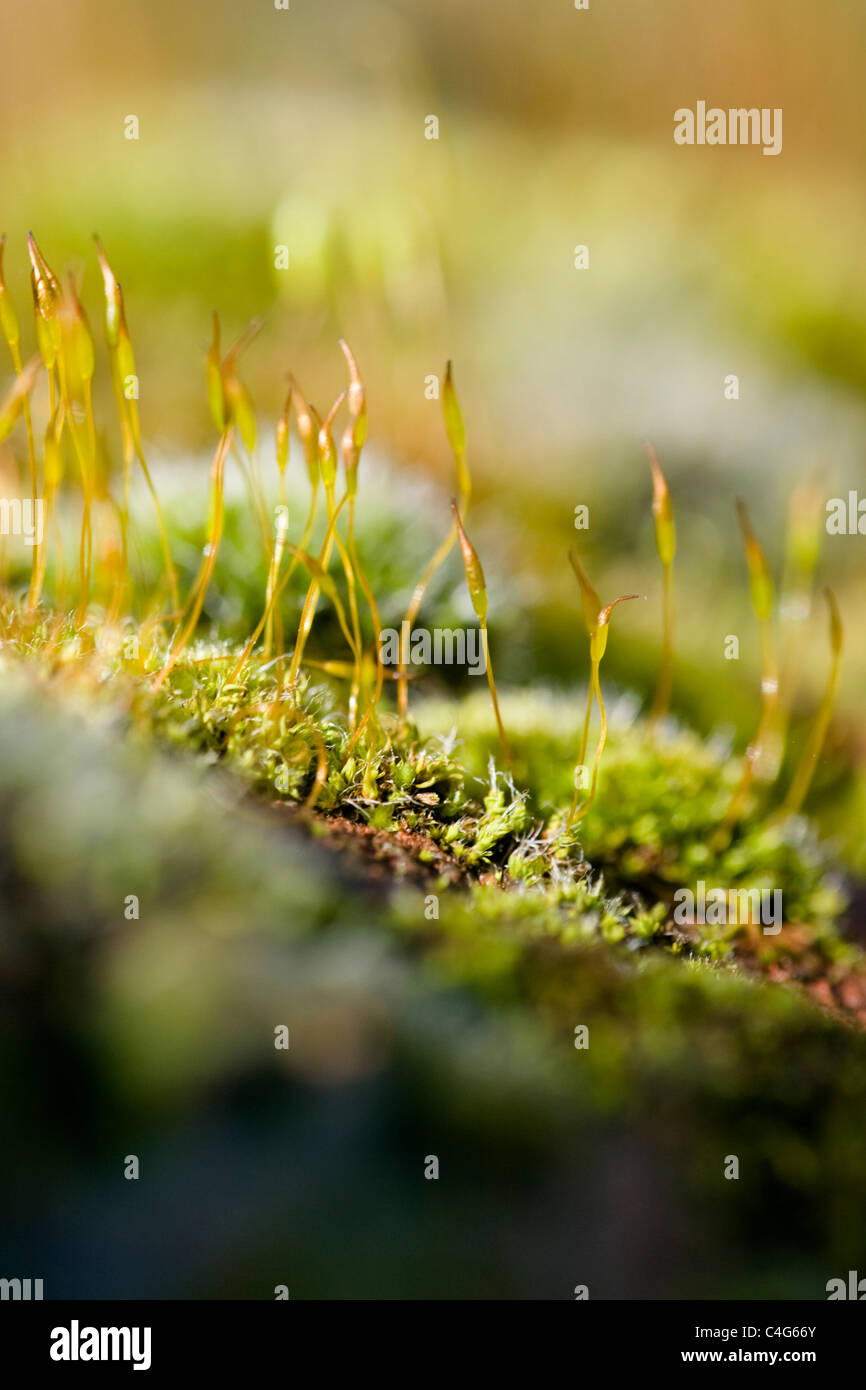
(305, 128)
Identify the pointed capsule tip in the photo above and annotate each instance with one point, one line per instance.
(836, 628)
(604, 614)
(351, 363)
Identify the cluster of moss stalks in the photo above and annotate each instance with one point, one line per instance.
(597, 839)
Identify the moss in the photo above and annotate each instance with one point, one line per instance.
(483, 923)
(471, 1014)
(650, 831)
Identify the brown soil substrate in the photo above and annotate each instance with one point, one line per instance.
(378, 860)
(834, 986)
(382, 857)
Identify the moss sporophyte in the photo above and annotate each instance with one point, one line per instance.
(269, 702)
